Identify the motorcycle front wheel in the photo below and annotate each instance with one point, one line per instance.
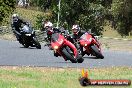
(37, 44)
(25, 45)
(68, 56)
(79, 57)
(96, 51)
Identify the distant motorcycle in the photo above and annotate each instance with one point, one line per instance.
(63, 47)
(91, 45)
(28, 37)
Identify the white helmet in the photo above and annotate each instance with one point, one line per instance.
(75, 29)
(48, 24)
(14, 15)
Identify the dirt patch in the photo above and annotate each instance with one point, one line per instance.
(8, 37)
(116, 45)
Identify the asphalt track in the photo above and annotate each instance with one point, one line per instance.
(13, 54)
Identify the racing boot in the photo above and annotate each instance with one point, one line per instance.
(55, 54)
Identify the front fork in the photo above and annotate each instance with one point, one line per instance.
(79, 48)
(75, 51)
(96, 42)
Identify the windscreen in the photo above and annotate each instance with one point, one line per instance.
(84, 36)
(27, 29)
(54, 37)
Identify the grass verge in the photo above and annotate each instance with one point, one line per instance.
(29, 15)
(7, 37)
(38, 77)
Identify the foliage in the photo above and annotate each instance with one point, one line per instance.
(31, 16)
(6, 8)
(88, 14)
(122, 13)
(41, 18)
(43, 4)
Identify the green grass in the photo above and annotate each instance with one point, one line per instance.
(27, 77)
(110, 32)
(29, 15)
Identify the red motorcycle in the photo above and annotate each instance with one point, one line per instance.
(91, 45)
(63, 47)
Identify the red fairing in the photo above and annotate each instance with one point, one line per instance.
(72, 47)
(86, 40)
(59, 42)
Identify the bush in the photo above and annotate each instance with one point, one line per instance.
(6, 8)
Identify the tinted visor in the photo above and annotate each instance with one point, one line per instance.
(15, 19)
(74, 30)
(48, 28)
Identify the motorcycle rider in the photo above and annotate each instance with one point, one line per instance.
(76, 34)
(48, 26)
(50, 30)
(16, 25)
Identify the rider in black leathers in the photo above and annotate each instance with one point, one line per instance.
(76, 34)
(16, 25)
(74, 38)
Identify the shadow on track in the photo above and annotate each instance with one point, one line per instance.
(63, 62)
(29, 47)
(90, 57)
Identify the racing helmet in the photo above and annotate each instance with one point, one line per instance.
(49, 27)
(15, 17)
(48, 24)
(75, 29)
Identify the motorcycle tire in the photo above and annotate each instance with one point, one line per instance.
(68, 56)
(37, 44)
(25, 45)
(96, 52)
(80, 59)
(69, 50)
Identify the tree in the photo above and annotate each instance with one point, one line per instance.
(6, 8)
(42, 4)
(121, 10)
(88, 14)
